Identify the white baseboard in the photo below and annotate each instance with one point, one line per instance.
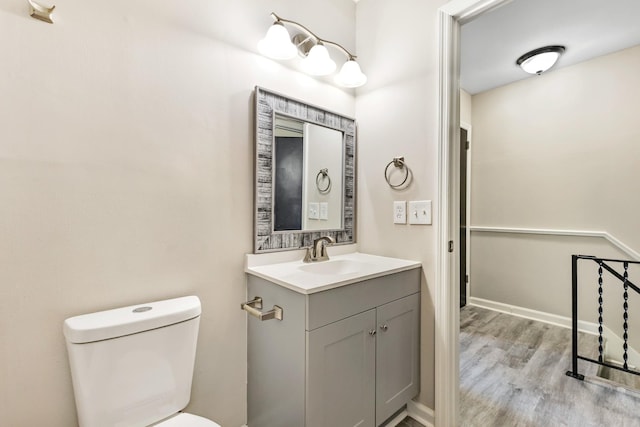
(613, 343)
(540, 316)
(415, 410)
(421, 413)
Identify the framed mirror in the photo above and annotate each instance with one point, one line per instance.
(305, 173)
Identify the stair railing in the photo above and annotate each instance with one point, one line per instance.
(603, 264)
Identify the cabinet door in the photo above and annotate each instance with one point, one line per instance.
(397, 354)
(341, 373)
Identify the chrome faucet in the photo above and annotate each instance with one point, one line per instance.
(318, 251)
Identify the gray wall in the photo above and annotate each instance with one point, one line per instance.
(559, 151)
(397, 115)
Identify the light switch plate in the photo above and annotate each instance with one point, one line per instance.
(400, 212)
(313, 211)
(420, 212)
(324, 210)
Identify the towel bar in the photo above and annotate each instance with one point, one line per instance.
(253, 308)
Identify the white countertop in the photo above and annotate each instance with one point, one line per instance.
(340, 270)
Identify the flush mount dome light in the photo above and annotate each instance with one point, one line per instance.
(540, 60)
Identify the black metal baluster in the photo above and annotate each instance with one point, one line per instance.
(574, 319)
(628, 285)
(600, 339)
(625, 316)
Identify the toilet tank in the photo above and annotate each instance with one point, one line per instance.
(133, 366)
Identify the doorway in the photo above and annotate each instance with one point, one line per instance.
(451, 16)
(464, 181)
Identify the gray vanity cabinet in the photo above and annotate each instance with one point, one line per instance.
(397, 355)
(341, 373)
(343, 357)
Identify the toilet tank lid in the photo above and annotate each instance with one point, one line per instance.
(129, 320)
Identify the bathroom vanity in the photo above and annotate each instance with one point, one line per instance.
(331, 343)
(346, 350)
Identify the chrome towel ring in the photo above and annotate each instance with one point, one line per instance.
(398, 162)
(323, 175)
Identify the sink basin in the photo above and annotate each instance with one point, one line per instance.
(339, 270)
(337, 267)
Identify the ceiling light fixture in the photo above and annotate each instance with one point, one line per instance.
(278, 44)
(540, 60)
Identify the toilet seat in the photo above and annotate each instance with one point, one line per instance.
(184, 419)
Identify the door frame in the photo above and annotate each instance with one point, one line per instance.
(447, 311)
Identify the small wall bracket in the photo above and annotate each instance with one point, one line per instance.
(43, 13)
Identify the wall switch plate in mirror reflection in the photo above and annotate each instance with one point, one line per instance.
(324, 211)
(313, 211)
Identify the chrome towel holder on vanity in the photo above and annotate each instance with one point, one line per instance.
(253, 308)
(399, 163)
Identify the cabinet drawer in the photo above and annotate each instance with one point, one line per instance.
(335, 304)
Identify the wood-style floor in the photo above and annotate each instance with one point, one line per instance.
(512, 373)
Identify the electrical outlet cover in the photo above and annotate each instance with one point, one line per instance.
(400, 212)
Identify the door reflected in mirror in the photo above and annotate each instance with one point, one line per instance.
(308, 176)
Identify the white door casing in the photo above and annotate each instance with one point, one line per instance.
(447, 311)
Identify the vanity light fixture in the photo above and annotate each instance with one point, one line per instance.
(278, 44)
(540, 60)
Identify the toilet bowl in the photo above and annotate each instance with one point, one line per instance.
(133, 366)
(184, 419)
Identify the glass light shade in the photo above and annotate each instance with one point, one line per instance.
(540, 63)
(318, 62)
(277, 43)
(351, 75)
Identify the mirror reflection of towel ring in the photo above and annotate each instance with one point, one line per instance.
(399, 163)
(323, 175)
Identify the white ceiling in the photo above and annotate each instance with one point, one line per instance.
(492, 43)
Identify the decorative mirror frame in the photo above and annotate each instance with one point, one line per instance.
(267, 104)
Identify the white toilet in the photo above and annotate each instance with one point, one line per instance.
(133, 366)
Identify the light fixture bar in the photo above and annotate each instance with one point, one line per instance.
(279, 44)
(276, 18)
